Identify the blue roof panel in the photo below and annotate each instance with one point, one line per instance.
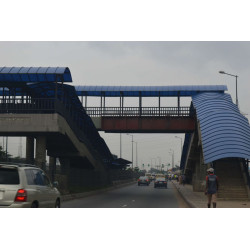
(34, 74)
(225, 132)
(153, 91)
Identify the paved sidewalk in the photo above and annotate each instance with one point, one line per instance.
(199, 199)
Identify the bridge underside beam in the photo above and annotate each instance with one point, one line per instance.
(147, 124)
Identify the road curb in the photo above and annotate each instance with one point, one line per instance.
(184, 197)
(68, 197)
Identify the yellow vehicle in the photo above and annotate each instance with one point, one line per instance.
(159, 176)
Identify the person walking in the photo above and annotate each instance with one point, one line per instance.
(212, 186)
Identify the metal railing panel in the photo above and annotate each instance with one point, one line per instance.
(137, 111)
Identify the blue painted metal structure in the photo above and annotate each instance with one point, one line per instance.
(225, 131)
(39, 87)
(34, 74)
(147, 91)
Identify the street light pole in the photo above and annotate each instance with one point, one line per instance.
(136, 155)
(181, 142)
(132, 151)
(172, 157)
(120, 145)
(159, 162)
(223, 72)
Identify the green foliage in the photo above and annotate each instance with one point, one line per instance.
(136, 169)
(3, 155)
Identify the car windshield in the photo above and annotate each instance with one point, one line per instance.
(9, 176)
(143, 177)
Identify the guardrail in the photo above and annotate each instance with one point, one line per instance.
(137, 111)
(34, 105)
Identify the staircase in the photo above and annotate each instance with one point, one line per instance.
(231, 181)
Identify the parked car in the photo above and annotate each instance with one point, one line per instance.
(143, 180)
(161, 182)
(23, 185)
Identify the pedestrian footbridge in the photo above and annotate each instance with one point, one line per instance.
(39, 103)
(216, 133)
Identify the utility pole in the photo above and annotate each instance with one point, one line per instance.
(120, 145)
(136, 155)
(6, 152)
(132, 151)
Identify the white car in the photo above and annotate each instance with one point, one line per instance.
(23, 185)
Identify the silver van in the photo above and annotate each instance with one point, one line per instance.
(23, 185)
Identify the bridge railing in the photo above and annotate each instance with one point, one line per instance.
(76, 117)
(34, 105)
(137, 111)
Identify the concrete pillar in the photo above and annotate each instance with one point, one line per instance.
(65, 165)
(41, 152)
(52, 168)
(199, 178)
(30, 150)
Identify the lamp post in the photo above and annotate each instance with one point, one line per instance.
(223, 72)
(181, 142)
(120, 145)
(132, 151)
(154, 161)
(172, 153)
(159, 162)
(136, 155)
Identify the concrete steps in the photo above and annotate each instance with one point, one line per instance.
(231, 182)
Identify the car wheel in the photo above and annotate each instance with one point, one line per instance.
(138, 184)
(34, 205)
(57, 204)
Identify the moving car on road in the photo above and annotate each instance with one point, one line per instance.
(143, 180)
(161, 182)
(149, 176)
(160, 176)
(23, 185)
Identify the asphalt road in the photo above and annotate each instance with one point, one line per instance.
(132, 196)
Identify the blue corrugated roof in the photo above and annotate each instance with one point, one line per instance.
(152, 91)
(225, 131)
(34, 74)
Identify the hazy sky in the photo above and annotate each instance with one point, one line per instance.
(140, 63)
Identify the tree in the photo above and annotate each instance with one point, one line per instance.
(3, 155)
(136, 169)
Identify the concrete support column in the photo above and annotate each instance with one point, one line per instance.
(199, 178)
(30, 150)
(52, 168)
(41, 152)
(65, 165)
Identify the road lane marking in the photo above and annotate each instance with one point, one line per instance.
(124, 205)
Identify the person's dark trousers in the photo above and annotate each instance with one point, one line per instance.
(208, 205)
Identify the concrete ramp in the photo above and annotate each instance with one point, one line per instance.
(60, 140)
